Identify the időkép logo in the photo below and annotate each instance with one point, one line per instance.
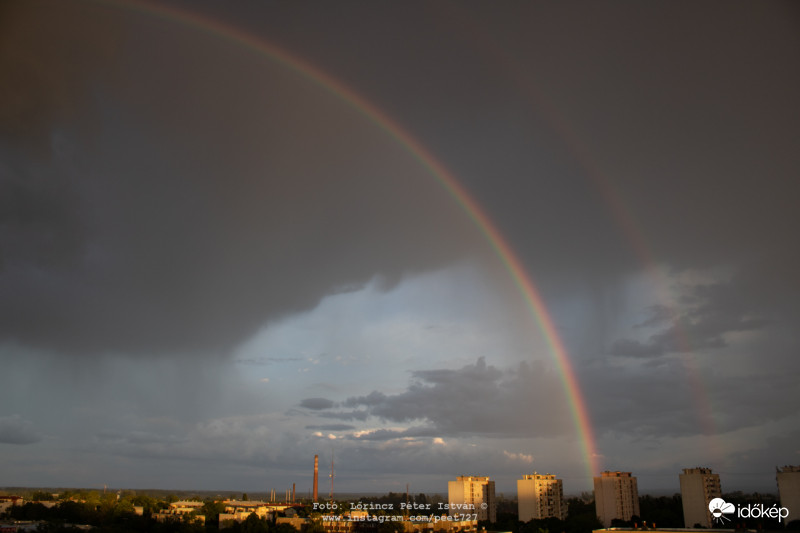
(719, 508)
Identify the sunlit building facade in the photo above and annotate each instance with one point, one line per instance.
(788, 478)
(698, 487)
(472, 495)
(540, 496)
(616, 495)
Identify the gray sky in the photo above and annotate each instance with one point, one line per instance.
(213, 267)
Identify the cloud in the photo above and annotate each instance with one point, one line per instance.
(521, 457)
(476, 399)
(634, 348)
(392, 434)
(16, 430)
(708, 312)
(264, 361)
(373, 398)
(136, 220)
(317, 404)
(684, 396)
(165, 193)
(659, 314)
(346, 415)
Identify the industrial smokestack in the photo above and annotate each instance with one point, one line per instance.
(316, 476)
(292, 492)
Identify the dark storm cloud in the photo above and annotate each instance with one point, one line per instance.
(477, 399)
(613, 134)
(176, 198)
(317, 404)
(16, 430)
(178, 187)
(44, 82)
(49, 57)
(164, 191)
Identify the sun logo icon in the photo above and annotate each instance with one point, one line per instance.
(719, 508)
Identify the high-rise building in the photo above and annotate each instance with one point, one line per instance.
(477, 493)
(698, 487)
(616, 495)
(788, 479)
(540, 496)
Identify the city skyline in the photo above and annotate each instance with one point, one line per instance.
(431, 238)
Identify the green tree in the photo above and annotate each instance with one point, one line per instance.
(283, 528)
(40, 496)
(254, 524)
(212, 510)
(315, 527)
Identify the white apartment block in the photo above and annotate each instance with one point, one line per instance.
(788, 479)
(472, 495)
(698, 487)
(540, 496)
(616, 495)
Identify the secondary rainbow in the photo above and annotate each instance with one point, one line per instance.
(622, 214)
(444, 177)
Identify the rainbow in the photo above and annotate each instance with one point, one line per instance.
(443, 176)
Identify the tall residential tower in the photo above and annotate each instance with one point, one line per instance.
(540, 496)
(698, 487)
(788, 479)
(616, 495)
(475, 491)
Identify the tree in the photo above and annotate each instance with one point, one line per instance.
(212, 510)
(254, 524)
(283, 528)
(315, 527)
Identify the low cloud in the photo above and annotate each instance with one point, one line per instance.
(317, 404)
(708, 313)
(477, 399)
(264, 361)
(391, 434)
(522, 457)
(331, 427)
(16, 430)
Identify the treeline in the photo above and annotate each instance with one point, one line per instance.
(418, 502)
(109, 515)
(581, 518)
(116, 516)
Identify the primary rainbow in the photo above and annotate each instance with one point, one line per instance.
(443, 176)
